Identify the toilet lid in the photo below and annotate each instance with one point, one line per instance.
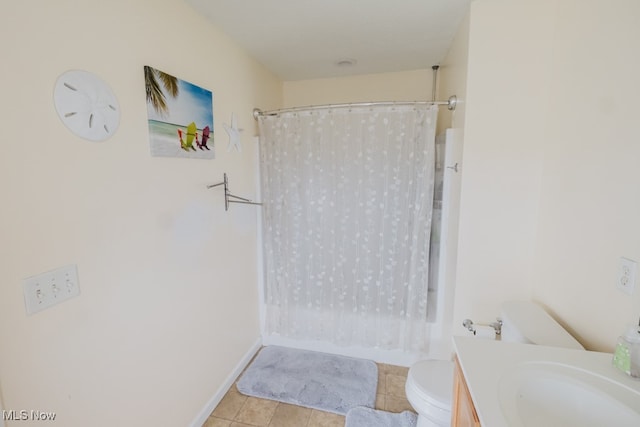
(433, 379)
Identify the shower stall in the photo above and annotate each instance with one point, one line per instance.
(355, 230)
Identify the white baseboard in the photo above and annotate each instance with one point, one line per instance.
(224, 388)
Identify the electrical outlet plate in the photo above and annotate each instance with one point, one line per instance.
(48, 289)
(627, 275)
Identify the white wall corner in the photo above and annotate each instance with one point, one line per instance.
(211, 404)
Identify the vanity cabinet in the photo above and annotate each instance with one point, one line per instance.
(463, 413)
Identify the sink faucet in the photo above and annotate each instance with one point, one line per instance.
(497, 325)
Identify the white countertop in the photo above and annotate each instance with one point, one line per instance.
(484, 362)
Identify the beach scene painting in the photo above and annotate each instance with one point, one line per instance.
(180, 117)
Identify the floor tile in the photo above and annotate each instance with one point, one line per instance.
(395, 370)
(384, 368)
(395, 385)
(382, 376)
(257, 412)
(290, 416)
(238, 410)
(397, 404)
(380, 398)
(230, 405)
(216, 422)
(325, 419)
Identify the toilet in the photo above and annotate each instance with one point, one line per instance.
(429, 385)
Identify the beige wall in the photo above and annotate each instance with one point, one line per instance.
(401, 86)
(168, 302)
(501, 155)
(550, 157)
(590, 203)
(453, 79)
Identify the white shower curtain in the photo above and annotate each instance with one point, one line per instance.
(348, 196)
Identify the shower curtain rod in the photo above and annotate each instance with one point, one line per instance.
(450, 103)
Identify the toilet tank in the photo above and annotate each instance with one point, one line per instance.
(527, 322)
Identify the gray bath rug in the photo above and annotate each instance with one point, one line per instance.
(311, 379)
(367, 417)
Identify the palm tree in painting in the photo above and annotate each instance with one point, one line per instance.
(153, 80)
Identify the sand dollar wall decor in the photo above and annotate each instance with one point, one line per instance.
(86, 105)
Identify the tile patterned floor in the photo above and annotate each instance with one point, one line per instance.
(238, 410)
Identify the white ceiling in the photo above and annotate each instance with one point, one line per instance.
(303, 39)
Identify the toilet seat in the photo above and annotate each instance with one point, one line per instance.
(432, 381)
(429, 389)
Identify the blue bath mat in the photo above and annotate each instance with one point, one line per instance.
(311, 379)
(367, 417)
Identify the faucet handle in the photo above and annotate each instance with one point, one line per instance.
(497, 325)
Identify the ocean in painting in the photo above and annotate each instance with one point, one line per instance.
(172, 105)
(165, 141)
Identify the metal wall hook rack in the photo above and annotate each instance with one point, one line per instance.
(229, 197)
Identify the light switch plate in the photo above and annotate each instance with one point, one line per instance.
(48, 289)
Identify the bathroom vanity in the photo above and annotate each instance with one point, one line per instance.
(502, 384)
(463, 412)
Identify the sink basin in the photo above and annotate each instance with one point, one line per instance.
(550, 394)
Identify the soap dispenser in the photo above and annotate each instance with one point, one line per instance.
(627, 353)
